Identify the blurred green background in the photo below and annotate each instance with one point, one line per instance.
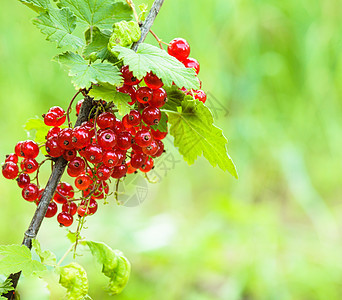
(275, 70)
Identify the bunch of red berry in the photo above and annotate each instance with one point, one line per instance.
(102, 148)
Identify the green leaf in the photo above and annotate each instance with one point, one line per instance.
(195, 134)
(74, 278)
(100, 13)
(143, 12)
(46, 257)
(37, 129)
(17, 258)
(150, 58)
(115, 266)
(174, 98)
(124, 34)
(58, 25)
(37, 5)
(84, 74)
(6, 287)
(162, 125)
(98, 42)
(109, 93)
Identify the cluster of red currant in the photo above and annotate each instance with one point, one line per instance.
(101, 148)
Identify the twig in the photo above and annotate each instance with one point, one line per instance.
(69, 107)
(158, 39)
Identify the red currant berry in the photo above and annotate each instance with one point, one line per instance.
(153, 81)
(69, 155)
(17, 149)
(65, 219)
(89, 126)
(119, 171)
(78, 106)
(10, 170)
(76, 167)
(50, 119)
(12, 157)
(81, 210)
(134, 118)
(91, 204)
(52, 210)
(30, 192)
(138, 159)
(151, 149)
(107, 139)
(61, 117)
(124, 140)
(151, 115)
(101, 191)
(147, 166)
(118, 127)
(103, 172)
(200, 95)
(158, 135)
(106, 120)
(128, 76)
(23, 179)
(82, 182)
(143, 138)
(93, 154)
(144, 94)
(179, 48)
(29, 165)
(52, 147)
(69, 207)
(53, 132)
(64, 192)
(130, 169)
(192, 63)
(80, 137)
(110, 159)
(121, 156)
(159, 98)
(30, 149)
(130, 90)
(125, 122)
(160, 149)
(64, 139)
(136, 148)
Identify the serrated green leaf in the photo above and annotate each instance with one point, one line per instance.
(195, 134)
(74, 278)
(58, 25)
(6, 287)
(174, 98)
(17, 258)
(98, 42)
(109, 93)
(84, 74)
(100, 13)
(46, 256)
(115, 266)
(124, 34)
(37, 5)
(150, 58)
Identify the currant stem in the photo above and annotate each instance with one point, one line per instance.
(69, 107)
(158, 39)
(65, 255)
(131, 4)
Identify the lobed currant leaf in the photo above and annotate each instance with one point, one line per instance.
(46, 256)
(174, 98)
(74, 278)
(150, 58)
(97, 43)
(37, 5)
(84, 74)
(58, 25)
(6, 287)
(195, 134)
(100, 13)
(108, 93)
(16, 258)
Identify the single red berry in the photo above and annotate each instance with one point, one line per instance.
(106, 120)
(144, 94)
(151, 115)
(153, 81)
(119, 171)
(179, 48)
(12, 157)
(130, 169)
(158, 135)
(130, 90)
(143, 138)
(52, 210)
(80, 137)
(118, 127)
(138, 159)
(200, 95)
(23, 179)
(53, 132)
(107, 139)
(17, 149)
(52, 147)
(136, 148)
(151, 149)
(110, 159)
(30, 149)
(30, 192)
(83, 181)
(81, 210)
(76, 167)
(121, 156)
(51, 119)
(128, 76)
(69, 155)
(103, 172)
(91, 204)
(69, 207)
(78, 106)
(160, 149)
(61, 117)
(125, 122)
(159, 98)
(192, 63)
(89, 126)
(147, 166)
(64, 139)
(65, 219)
(93, 153)
(10, 170)
(124, 140)
(29, 165)
(64, 192)
(134, 118)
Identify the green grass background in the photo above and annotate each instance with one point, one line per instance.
(274, 234)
